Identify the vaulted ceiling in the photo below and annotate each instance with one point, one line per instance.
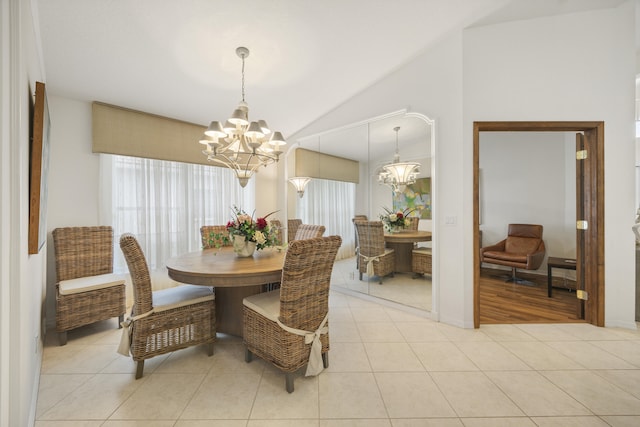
(177, 58)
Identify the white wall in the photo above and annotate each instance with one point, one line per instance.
(525, 178)
(266, 186)
(22, 282)
(74, 179)
(572, 67)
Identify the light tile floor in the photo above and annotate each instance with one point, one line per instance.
(402, 288)
(387, 368)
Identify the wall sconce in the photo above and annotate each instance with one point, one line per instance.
(300, 182)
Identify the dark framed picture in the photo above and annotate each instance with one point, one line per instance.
(39, 170)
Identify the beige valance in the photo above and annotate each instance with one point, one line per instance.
(118, 130)
(325, 166)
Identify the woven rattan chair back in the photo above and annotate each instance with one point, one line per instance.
(83, 251)
(354, 219)
(306, 275)
(292, 228)
(412, 223)
(370, 237)
(309, 231)
(139, 271)
(277, 226)
(207, 233)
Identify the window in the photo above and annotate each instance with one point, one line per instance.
(164, 204)
(332, 204)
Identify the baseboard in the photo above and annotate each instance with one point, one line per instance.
(633, 325)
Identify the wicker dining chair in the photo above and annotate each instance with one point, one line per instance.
(292, 228)
(421, 262)
(86, 289)
(375, 259)
(276, 323)
(277, 226)
(309, 231)
(208, 234)
(412, 223)
(353, 220)
(166, 320)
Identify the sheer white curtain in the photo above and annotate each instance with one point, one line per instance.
(164, 204)
(332, 204)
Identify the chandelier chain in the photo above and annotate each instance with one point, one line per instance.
(243, 77)
(397, 128)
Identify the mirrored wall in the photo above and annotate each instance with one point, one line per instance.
(337, 193)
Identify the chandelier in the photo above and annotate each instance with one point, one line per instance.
(240, 145)
(397, 174)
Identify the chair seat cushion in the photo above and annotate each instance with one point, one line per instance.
(422, 251)
(168, 299)
(266, 304)
(89, 283)
(505, 256)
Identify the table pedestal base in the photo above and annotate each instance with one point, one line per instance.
(403, 256)
(229, 308)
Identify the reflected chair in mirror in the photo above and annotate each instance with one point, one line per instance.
(412, 223)
(523, 248)
(212, 236)
(166, 320)
(277, 226)
(309, 231)
(86, 289)
(288, 327)
(292, 228)
(421, 262)
(353, 220)
(374, 258)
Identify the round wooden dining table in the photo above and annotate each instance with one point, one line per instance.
(233, 278)
(403, 242)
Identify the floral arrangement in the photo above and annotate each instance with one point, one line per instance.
(393, 220)
(253, 230)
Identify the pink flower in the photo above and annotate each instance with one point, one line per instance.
(244, 218)
(400, 215)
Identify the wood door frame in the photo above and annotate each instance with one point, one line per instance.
(594, 212)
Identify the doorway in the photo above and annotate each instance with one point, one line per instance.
(589, 209)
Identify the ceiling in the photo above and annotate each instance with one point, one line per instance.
(177, 58)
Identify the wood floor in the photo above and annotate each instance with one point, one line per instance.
(502, 302)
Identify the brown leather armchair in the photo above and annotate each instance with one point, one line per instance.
(523, 248)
